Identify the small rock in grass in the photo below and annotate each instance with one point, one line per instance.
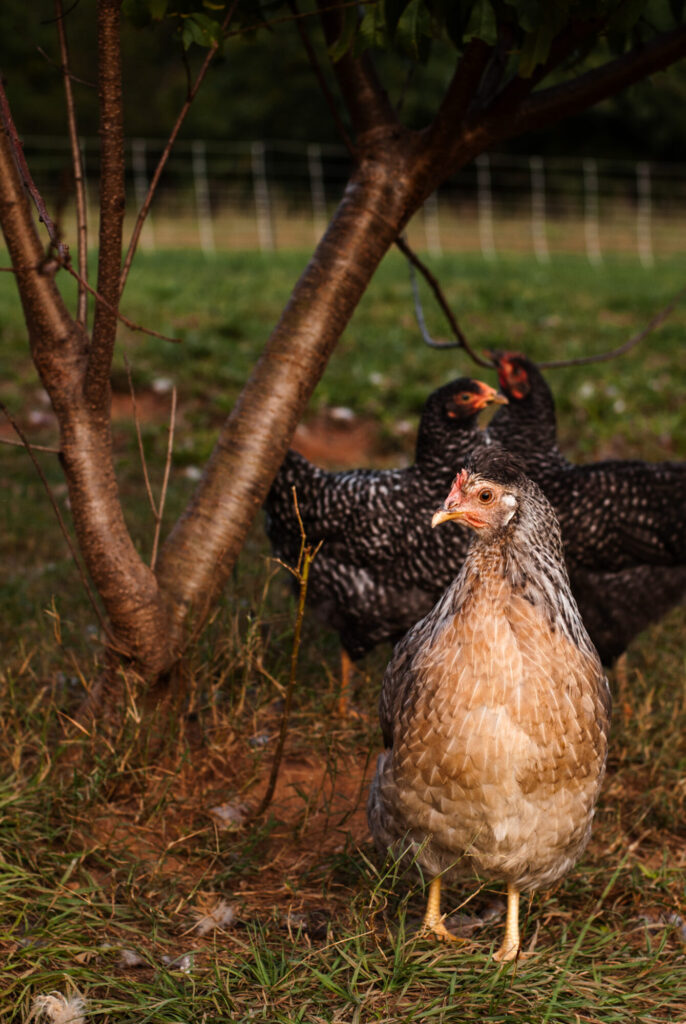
(130, 958)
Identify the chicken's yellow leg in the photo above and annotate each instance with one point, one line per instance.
(432, 925)
(510, 947)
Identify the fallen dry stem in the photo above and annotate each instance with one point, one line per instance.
(301, 572)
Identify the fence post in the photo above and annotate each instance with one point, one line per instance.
(538, 232)
(644, 214)
(202, 197)
(140, 189)
(316, 172)
(263, 210)
(485, 206)
(591, 222)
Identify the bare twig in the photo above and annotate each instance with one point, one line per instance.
(53, 63)
(34, 447)
(141, 450)
(319, 75)
(79, 185)
(604, 357)
(461, 342)
(25, 174)
(60, 520)
(120, 316)
(157, 510)
(301, 572)
(147, 203)
(7, 270)
(165, 481)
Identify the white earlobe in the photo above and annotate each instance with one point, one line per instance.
(510, 502)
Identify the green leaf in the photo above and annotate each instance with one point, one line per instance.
(345, 40)
(658, 14)
(535, 49)
(482, 23)
(394, 10)
(625, 16)
(137, 12)
(456, 20)
(200, 29)
(414, 33)
(372, 30)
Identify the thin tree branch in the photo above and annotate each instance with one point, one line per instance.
(463, 86)
(145, 208)
(443, 303)
(604, 357)
(165, 482)
(319, 75)
(112, 199)
(571, 97)
(25, 174)
(79, 185)
(53, 63)
(365, 98)
(63, 527)
(141, 450)
(131, 324)
(34, 447)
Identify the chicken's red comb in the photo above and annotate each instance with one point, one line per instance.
(459, 481)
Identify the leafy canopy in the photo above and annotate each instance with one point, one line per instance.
(527, 28)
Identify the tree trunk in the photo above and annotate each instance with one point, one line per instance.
(198, 555)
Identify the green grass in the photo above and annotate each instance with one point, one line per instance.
(104, 849)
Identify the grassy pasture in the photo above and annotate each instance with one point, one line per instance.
(114, 862)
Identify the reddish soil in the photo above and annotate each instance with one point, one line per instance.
(150, 407)
(343, 444)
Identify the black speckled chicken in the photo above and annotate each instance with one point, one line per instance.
(623, 522)
(614, 513)
(494, 708)
(380, 567)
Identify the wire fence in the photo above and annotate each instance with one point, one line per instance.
(280, 195)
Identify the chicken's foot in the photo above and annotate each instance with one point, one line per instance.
(510, 948)
(432, 925)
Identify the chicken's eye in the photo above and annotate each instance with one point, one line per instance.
(466, 396)
(485, 496)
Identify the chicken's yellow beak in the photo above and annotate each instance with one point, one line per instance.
(444, 514)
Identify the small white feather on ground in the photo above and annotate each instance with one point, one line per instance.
(220, 916)
(58, 1009)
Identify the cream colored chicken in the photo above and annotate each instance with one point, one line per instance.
(494, 708)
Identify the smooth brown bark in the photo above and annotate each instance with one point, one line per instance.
(112, 205)
(59, 347)
(198, 555)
